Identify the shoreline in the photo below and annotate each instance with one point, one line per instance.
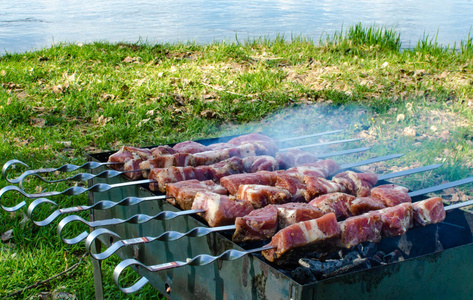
(60, 103)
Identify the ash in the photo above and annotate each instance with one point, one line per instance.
(360, 257)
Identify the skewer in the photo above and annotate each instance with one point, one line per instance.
(200, 260)
(103, 187)
(113, 173)
(129, 201)
(320, 144)
(173, 235)
(78, 177)
(140, 218)
(65, 168)
(308, 136)
(94, 165)
(101, 205)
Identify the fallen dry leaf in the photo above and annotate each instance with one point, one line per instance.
(409, 131)
(130, 59)
(107, 97)
(142, 122)
(400, 117)
(208, 114)
(58, 89)
(101, 120)
(444, 135)
(179, 99)
(38, 122)
(66, 144)
(7, 235)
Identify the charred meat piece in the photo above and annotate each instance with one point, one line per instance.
(232, 182)
(308, 235)
(182, 193)
(220, 209)
(262, 195)
(358, 184)
(321, 168)
(260, 224)
(213, 172)
(189, 147)
(338, 203)
(294, 185)
(126, 153)
(249, 138)
(292, 213)
(294, 157)
(254, 164)
(363, 228)
(429, 211)
(391, 194)
(397, 219)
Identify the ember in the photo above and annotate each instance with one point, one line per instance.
(361, 257)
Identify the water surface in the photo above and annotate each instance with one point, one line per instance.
(27, 25)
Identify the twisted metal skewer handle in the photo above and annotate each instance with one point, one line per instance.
(78, 177)
(164, 237)
(135, 219)
(102, 205)
(64, 168)
(199, 260)
(72, 191)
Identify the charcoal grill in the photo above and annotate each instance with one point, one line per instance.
(436, 258)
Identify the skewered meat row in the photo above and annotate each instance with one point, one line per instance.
(194, 154)
(340, 204)
(256, 197)
(181, 193)
(304, 183)
(326, 234)
(234, 165)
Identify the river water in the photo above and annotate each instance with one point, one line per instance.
(26, 25)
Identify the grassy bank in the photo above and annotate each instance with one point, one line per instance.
(60, 103)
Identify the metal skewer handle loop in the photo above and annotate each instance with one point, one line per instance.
(199, 260)
(167, 236)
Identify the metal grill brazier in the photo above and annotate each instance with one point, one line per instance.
(436, 259)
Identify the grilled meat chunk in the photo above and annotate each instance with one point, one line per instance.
(220, 209)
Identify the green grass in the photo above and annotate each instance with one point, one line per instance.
(60, 103)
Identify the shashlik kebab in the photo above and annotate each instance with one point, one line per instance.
(228, 204)
(184, 195)
(184, 147)
(273, 218)
(212, 171)
(324, 234)
(262, 224)
(194, 154)
(218, 209)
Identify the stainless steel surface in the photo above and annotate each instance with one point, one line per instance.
(198, 261)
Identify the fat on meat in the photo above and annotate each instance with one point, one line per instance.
(259, 224)
(308, 235)
(182, 193)
(262, 195)
(220, 209)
